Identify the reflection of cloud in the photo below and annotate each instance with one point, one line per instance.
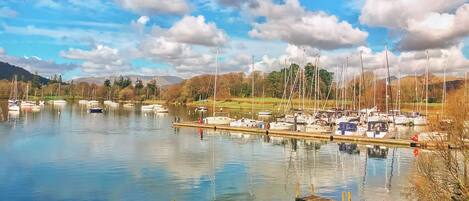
(130, 154)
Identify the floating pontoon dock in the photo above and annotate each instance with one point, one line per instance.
(319, 136)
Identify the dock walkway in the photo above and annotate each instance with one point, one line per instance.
(303, 135)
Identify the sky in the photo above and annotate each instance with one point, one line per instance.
(81, 38)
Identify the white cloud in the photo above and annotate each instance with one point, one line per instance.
(154, 7)
(7, 12)
(2, 51)
(436, 30)
(195, 30)
(143, 20)
(422, 24)
(408, 62)
(101, 59)
(291, 23)
(48, 4)
(396, 13)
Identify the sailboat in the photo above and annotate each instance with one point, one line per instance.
(13, 100)
(245, 122)
(59, 101)
(263, 112)
(26, 103)
(217, 119)
(418, 119)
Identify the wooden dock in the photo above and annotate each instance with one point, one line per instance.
(317, 136)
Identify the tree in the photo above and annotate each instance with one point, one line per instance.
(138, 86)
(107, 83)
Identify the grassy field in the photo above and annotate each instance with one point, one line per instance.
(274, 103)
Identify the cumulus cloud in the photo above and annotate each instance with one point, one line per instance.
(436, 30)
(407, 62)
(154, 7)
(291, 23)
(101, 59)
(195, 30)
(2, 51)
(7, 12)
(422, 24)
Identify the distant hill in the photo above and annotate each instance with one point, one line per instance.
(161, 80)
(7, 71)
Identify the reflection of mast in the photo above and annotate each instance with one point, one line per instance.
(364, 175)
(212, 178)
(392, 168)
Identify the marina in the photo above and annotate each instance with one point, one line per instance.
(139, 156)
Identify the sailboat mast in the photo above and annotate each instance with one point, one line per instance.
(15, 90)
(389, 81)
(215, 85)
(362, 82)
(252, 90)
(399, 89)
(443, 100)
(426, 84)
(345, 83)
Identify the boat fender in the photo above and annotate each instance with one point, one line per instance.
(215, 128)
(267, 132)
(331, 138)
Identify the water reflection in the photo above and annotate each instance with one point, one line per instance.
(66, 153)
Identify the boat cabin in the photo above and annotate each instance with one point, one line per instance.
(380, 126)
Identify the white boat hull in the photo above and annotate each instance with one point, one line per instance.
(281, 126)
(218, 120)
(13, 108)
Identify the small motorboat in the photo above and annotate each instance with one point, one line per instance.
(96, 110)
(41, 103)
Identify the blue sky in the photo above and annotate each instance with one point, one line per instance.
(180, 37)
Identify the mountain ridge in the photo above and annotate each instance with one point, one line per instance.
(163, 80)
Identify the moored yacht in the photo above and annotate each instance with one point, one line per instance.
(377, 129)
(244, 122)
(284, 126)
(349, 128)
(218, 120)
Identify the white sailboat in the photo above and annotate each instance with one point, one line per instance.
(418, 119)
(217, 119)
(13, 100)
(26, 103)
(59, 101)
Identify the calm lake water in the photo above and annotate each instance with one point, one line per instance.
(66, 153)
